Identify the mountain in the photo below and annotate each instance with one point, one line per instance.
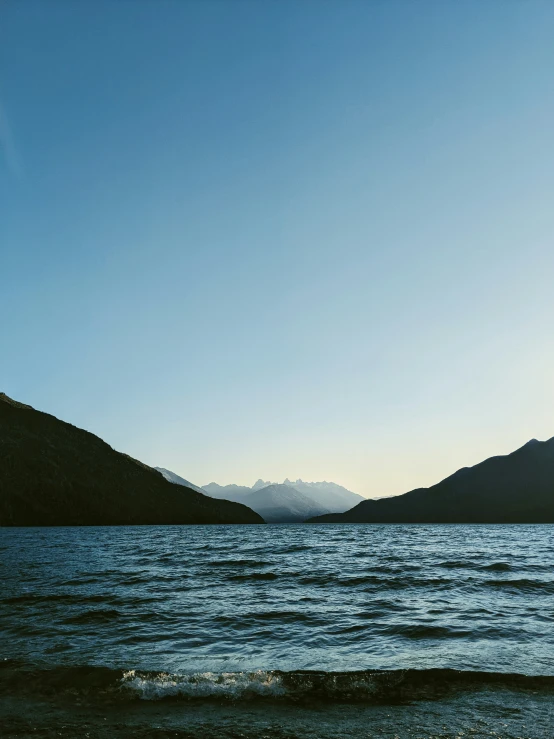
(282, 504)
(259, 484)
(279, 503)
(516, 488)
(172, 477)
(54, 474)
(328, 494)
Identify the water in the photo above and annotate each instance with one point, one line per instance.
(234, 615)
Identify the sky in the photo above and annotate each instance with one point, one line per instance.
(305, 238)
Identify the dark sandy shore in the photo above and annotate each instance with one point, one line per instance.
(499, 713)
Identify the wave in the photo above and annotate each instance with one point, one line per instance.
(397, 580)
(366, 686)
(255, 576)
(237, 563)
(453, 564)
(425, 631)
(93, 616)
(456, 564)
(59, 599)
(523, 585)
(497, 567)
(254, 617)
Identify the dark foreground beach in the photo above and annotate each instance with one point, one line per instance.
(283, 631)
(487, 712)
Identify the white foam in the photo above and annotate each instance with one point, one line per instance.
(203, 684)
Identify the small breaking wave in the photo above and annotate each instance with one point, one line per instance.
(364, 686)
(229, 685)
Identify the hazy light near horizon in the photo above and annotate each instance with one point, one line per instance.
(306, 240)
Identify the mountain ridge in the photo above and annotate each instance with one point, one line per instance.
(513, 488)
(55, 474)
(329, 495)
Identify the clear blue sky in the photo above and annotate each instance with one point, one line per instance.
(264, 239)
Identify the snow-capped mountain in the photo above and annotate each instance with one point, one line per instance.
(281, 504)
(326, 495)
(335, 498)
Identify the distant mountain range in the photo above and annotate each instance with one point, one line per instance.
(227, 492)
(327, 495)
(282, 504)
(54, 474)
(275, 503)
(516, 488)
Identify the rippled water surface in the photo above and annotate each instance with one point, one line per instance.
(236, 598)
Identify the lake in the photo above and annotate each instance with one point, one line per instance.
(369, 628)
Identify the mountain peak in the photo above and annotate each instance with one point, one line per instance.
(260, 484)
(533, 444)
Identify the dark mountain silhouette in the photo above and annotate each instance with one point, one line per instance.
(54, 474)
(282, 504)
(516, 488)
(172, 477)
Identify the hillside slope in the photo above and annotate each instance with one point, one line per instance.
(54, 474)
(173, 477)
(516, 488)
